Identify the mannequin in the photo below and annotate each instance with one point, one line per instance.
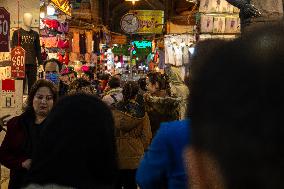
(256, 13)
(28, 39)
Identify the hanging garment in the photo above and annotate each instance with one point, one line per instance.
(63, 27)
(216, 6)
(232, 25)
(205, 6)
(219, 25)
(50, 42)
(63, 44)
(89, 42)
(94, 58)
(161, 64)
(170, 50)
(177, 55)
(96, 39)
(227, 7)
(185, 54)
(64, 59)
(82, 43)
(75, 43)
(52, 24)
(206, 24)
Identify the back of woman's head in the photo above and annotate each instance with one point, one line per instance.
(77, 145)
(81, 86)
(130, 90)
(161, 80)
(142, 84)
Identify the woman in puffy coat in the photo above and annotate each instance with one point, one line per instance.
(133, 135)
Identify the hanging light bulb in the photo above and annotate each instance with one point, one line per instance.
(50, 10)
(133, 1)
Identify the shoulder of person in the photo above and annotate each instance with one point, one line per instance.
(175, 128)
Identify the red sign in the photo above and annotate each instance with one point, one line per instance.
(4, 29)
(8, 85)
(18, 62)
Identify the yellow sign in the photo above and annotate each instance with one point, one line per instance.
(150, 21)
(63, 5)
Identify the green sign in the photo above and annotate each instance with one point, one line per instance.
(142, 44)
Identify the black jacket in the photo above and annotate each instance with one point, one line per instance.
(29, 40)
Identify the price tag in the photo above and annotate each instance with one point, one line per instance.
(18, 62)
(4, 29)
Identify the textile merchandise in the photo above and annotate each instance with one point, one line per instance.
(219, 25)
(63, 44)
(50, 42)
(75, 43)
(207, 24)
(29, 40)
(232, 25)
(82, 43)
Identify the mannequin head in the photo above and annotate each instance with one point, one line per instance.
(28, 20)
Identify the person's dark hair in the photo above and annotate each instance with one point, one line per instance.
(38, 84)
(114, 82)
(77, 146)
(80, 86)
(142, 84)
(236, 106)
(161, 80)
(53, 60)
(130, 90)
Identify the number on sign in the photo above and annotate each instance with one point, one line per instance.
(4, 27)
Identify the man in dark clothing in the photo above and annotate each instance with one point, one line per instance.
(255, 13)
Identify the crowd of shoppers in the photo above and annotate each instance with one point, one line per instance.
(121, 136)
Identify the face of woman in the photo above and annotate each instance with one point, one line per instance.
(43, 101)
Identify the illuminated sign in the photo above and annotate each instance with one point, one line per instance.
(63, 5)
(150, 21)
(143, 44)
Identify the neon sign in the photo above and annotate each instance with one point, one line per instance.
(143, 44)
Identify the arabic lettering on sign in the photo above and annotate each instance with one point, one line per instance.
(150, 21)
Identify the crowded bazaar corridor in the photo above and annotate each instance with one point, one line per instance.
(141, 94)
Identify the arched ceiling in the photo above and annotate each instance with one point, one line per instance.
(115, 9)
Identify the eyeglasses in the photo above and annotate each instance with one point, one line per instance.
(47, 98)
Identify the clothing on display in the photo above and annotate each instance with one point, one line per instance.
(75, 43)
(161, 64)
(219, 25)
(29, 40)
(205, 6)
(82, 43)
(207, 24)
(232, 25)
(63, 58)
(96, 39)
(63, 27)
(89, 44)
(216, 6)
(63, 44)
(50, 42)
(52, 24)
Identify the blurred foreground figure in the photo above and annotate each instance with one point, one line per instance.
(236, 108)
(77, 147)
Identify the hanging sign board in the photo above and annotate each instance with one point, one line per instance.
(142, 44)
(18, 62)
(4, 29)
(63, 5)
(150, 21)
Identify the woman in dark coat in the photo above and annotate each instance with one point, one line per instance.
(23, 132)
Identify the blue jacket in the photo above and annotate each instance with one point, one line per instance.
(163, 164)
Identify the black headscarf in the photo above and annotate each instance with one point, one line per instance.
(77, 146)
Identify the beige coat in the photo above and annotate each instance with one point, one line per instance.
(133, 136)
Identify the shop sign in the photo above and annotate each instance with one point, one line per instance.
(119, 39)
(18, 62)
(143, 44)
(63, 5)
(4, 29)
(150, 21)
(11, 97)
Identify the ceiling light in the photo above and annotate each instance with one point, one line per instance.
(133, 1)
